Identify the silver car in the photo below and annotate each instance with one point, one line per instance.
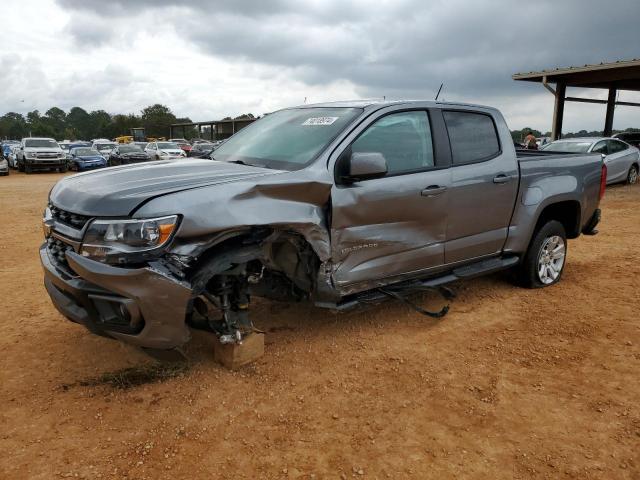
(622, 160)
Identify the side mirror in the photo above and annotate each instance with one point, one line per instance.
(361, 166)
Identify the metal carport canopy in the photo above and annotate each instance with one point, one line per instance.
(616, 76)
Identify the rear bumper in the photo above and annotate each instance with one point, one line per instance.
(139, 306)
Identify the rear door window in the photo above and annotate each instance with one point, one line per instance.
(472, 135)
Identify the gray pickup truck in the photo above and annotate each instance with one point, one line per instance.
(338, 204)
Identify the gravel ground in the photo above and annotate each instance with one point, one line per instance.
(512, 383)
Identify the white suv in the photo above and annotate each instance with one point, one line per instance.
(38, 153)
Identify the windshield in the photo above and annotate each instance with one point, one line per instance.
(43, 143)
(559, 146)
(203, 146)
(288, 139)
(168, 145)
(129, 149)
(105, 146)
(84, 152)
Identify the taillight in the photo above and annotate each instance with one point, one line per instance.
(603, 181)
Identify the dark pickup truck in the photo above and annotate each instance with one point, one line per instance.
(334, 203)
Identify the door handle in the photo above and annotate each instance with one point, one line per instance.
(502, 178)
(433, 190)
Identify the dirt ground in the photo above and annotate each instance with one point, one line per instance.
(512, 383)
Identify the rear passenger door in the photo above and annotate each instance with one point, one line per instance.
(484, 185)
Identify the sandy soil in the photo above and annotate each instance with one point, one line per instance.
(512, 383)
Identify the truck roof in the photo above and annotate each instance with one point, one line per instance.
(384, 103)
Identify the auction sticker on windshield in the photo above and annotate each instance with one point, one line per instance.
(320, 120)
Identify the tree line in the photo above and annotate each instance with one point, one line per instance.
(78, 124)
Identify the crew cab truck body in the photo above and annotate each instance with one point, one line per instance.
(334, 203)
(40, 154)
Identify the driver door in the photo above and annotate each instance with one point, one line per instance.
(395, 225)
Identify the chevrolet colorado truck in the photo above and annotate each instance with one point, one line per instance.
(338, 204)
(40, 154)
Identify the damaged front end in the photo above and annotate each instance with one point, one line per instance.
(153, 304)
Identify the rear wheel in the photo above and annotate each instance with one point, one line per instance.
(544, 262)
(632, 176)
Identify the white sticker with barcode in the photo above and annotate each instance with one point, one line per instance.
(320, 120)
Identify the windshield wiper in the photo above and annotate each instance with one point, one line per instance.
(242, 162)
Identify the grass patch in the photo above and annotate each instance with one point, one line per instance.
(134, 376)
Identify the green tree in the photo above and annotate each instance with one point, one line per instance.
(156, 120)
(13, 126)
(78, 121)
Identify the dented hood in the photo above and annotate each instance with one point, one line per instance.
(118, 191)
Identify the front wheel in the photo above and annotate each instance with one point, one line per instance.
(632, 176)
(544, 262)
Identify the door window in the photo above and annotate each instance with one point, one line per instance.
(601, 147)
(403, 138)
(472, 135)
(616, 146)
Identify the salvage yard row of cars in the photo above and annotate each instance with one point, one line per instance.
(36, 153)
(30, 154)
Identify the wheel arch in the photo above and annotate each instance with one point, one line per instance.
(567, 212)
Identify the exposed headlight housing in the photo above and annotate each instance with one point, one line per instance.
(123, 241)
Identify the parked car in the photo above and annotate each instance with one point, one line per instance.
(351, 203)
(85, 158)
(542, 141)
(164, 151)
(632, 138)
(186, 146)
(40, 154)
(4, 166)
(126, 154)
(201, 150)
(622, 160)
(12, 159)
(104, 147)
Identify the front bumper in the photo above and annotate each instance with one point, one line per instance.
(140, 306)
(45, 163)
(90, 165)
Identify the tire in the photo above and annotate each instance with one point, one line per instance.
(632, 175)
(544, 262)
(28, 169)
(20, 167)
(63, 169)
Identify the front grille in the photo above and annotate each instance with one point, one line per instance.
(73, 220)
(57, 253)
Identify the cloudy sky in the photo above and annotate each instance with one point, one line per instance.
(207, 59)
